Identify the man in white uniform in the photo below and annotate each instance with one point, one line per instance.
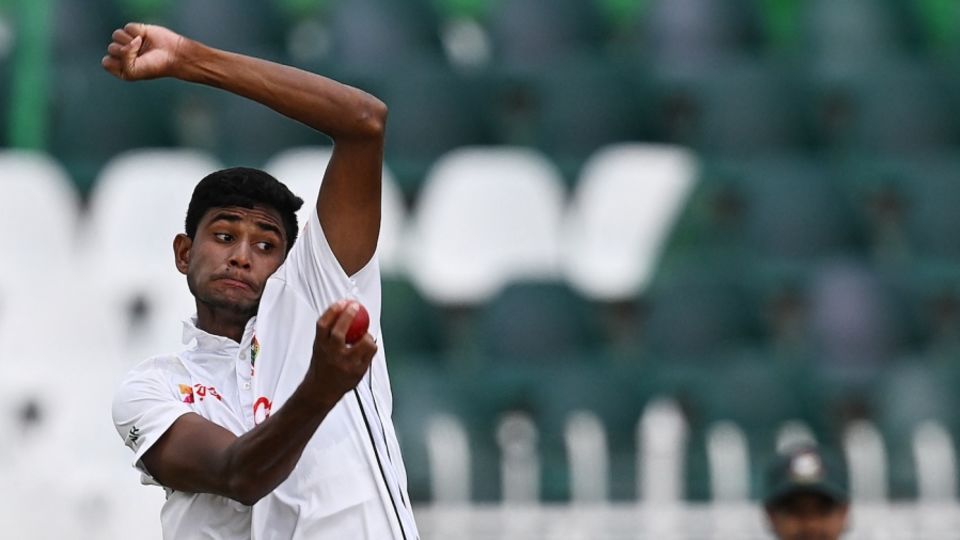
(271, 426)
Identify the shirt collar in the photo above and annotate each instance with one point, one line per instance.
(209, 342)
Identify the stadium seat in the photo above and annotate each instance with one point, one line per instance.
(237, 130)
(908, 203)
(623, 210)
(843, 34)
(732, 107)
(537, 322)
(533, 33)
(371, 36)
(433, 110)
(894, 107)
(245, 26)
(690, 33)
(84, 137)
(39, 201)
(584, 104)
(302, 169)
(410, 325)
(137, 209)
(782, 207)
(486, 216)
(696, 310)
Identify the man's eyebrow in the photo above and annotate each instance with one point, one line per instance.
(270, 227)
(234, 218)
(225, 216)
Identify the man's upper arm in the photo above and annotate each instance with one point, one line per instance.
(348, 206)
(172, 445)
(190, 456)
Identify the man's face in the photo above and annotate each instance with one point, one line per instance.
(231, 256)
(808, 516)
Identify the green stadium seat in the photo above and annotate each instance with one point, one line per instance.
(568, 110)
(533, 33)
(843, 34)
(883, 108)
(239, 131)
(732, 107)
(912, 201)
(537, 323)
(697, 309)
(433, 110)
(244, 26)
(781, 207)
(373, 36)
(95, 117)
(409, 323)
(691, 33)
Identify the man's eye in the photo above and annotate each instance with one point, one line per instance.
(265, 246)
(223, 237)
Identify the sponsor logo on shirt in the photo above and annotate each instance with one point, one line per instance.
(133, 437)
(198, 392)
(261, 409)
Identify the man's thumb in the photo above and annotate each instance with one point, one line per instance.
(131, 49)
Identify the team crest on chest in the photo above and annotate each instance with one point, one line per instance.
(254, 351)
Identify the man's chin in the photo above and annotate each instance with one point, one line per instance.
(234, 307)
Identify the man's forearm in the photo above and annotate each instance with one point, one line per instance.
(338, 110)
(259, 460)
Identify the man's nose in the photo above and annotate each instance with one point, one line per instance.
(240, 255)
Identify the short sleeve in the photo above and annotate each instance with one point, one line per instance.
(314, 272)
(144, 408)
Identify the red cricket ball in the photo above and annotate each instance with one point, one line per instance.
(358, 328)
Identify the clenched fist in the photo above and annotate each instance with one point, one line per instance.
(142, 51)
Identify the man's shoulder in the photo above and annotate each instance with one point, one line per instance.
(159, 366)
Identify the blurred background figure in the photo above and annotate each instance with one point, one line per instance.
(806, 496)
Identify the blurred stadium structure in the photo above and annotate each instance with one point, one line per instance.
(629, 248)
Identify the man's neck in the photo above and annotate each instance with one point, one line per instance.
(215, 322)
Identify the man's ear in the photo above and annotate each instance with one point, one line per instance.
(181, 252)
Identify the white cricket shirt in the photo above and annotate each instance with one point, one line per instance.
(349, 483)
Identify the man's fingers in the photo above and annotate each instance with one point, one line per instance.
(135, 29)
(122, 37)
(330, 315)
(112, 65)
(343, 322)
(115, 50)
(131, 49)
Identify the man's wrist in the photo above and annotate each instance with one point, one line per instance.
(189, 58)
(315, 399)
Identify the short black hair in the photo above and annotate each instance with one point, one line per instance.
(244, 187)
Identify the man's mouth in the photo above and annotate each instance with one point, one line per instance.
(236, 283)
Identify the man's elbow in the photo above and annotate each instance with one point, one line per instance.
(372, 118)
(246, 491)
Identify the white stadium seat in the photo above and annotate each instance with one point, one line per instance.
(485, 216)
(40, 203)
(302, 169)
(626, 203)
(139, 204)
(137, 208)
